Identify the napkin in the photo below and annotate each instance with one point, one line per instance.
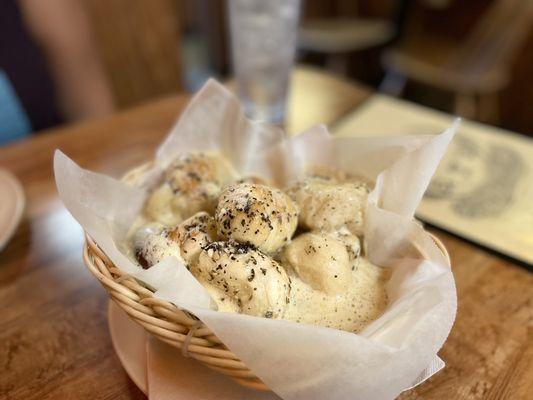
(298, 361)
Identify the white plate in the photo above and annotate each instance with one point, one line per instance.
(12, 203)
(129, 341)
(188, 378)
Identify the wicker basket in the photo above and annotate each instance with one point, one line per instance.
(166, 321)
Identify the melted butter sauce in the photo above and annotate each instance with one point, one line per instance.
(362, 303)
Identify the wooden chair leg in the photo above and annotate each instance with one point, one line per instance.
(466, 105)
(490, 107)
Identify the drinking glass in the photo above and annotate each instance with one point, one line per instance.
(263, 37)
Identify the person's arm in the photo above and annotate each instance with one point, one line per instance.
(62, 30)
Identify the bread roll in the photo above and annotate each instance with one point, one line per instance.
(259, 215)
(152, 244)
(193, 234)
(252, 281)
(328, 205)
(319, 260)
(191, 184)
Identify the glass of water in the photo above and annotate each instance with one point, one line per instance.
(263, 36)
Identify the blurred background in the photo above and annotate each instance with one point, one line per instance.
(69, 60)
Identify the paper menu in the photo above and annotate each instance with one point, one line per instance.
(483, 188)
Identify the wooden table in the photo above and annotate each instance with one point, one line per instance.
(54, 341)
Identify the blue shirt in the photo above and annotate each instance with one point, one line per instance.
(14, 122)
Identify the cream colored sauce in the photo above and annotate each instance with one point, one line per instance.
(363, 302)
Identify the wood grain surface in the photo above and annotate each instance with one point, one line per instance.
(54, 340)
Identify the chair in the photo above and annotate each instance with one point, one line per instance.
(339, 36)
(475, 72)
(139, 44)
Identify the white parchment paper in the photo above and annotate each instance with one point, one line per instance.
(299, 361)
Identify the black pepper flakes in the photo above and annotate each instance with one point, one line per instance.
(252, 275)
